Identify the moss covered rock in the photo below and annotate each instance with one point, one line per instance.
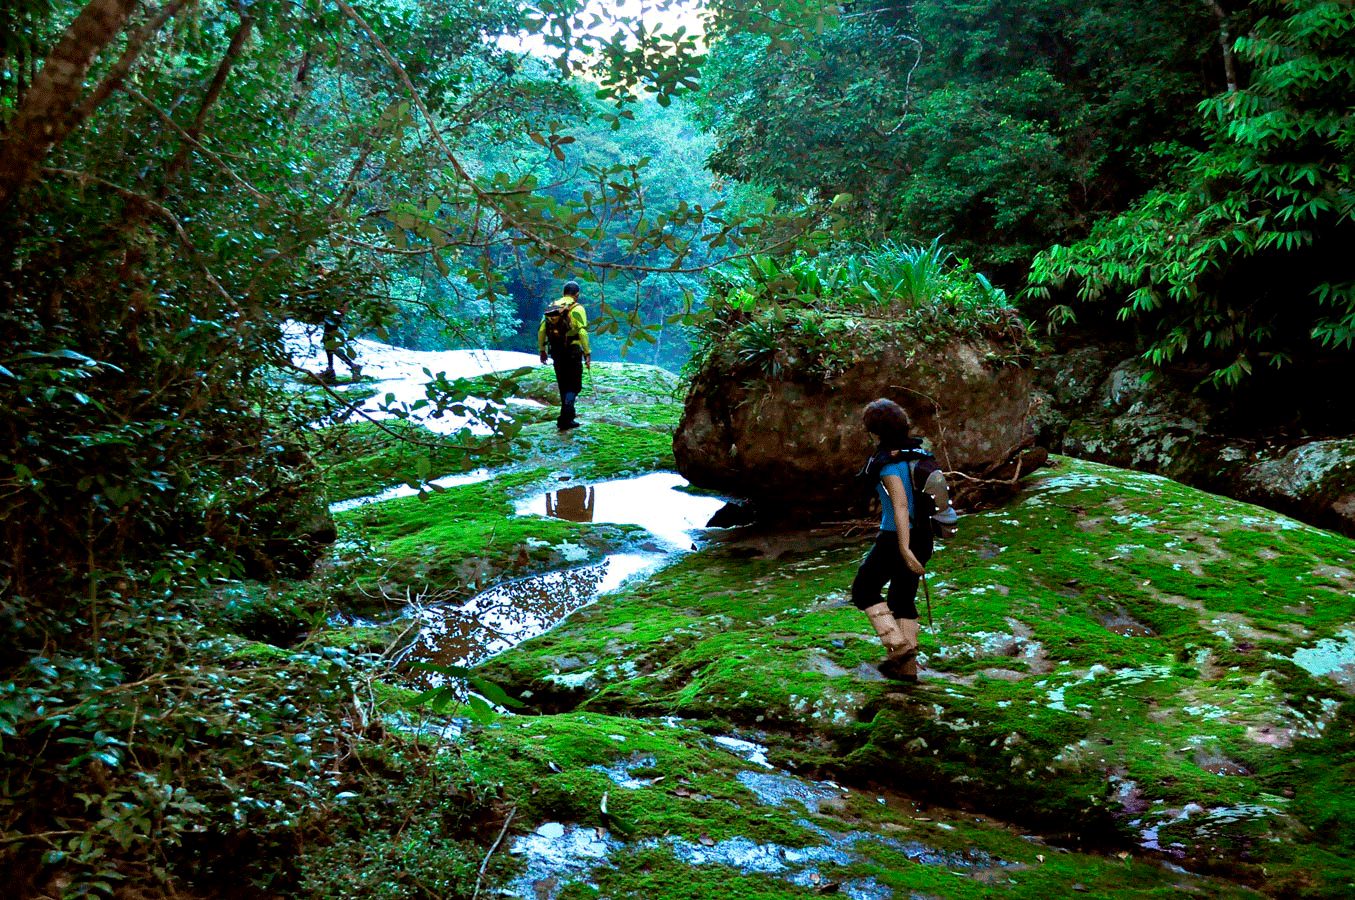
(1114, 659)
(774, 410)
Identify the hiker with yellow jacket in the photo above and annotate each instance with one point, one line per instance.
(563, 336)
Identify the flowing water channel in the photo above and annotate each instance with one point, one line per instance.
(515, 611)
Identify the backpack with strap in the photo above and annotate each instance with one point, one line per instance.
(921, 504)
(559, 328)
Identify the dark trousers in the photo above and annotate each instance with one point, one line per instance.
(884, 565)
(569, 378)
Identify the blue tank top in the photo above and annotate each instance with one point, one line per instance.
(900, 469)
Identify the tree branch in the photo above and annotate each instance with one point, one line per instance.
(159, 212)
(48, 112)
(223, 69)
(193, 142)
(135, 45)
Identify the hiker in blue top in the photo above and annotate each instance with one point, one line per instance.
(914, 508)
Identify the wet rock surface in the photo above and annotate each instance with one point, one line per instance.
(1137, 684)
(722, 830)
(1126, 684)
(1109, 406)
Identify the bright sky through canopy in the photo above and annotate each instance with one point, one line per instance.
(656, 15)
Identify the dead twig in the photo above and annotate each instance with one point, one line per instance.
(492, 848)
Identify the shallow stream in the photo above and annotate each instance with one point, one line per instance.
(515, 611)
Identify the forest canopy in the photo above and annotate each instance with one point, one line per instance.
(1182, 167)
(177, 180)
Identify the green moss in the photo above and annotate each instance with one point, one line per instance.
(611, 451)
(365, 638)
(1101, 646)
(770, 644)
(563, 757)
(364, 458)
(258, 652)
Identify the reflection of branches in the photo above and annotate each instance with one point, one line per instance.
(502, 616)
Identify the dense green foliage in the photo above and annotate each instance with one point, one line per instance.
(813, 313)
(1183, 165)
(176, 756)
(1243, 260)
(649, 174)
(1002, 126)
(177, 181)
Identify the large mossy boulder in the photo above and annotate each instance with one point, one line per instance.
(774, 411)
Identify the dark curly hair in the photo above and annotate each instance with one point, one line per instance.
(887, 421)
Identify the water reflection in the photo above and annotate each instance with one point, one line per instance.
(572, 503)
(508, 614)
(651, 501)
(516, 611)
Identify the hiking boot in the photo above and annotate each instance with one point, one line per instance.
(903, 666)
(893, 638)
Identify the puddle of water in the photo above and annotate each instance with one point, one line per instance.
(403, 490)
(776, 790)
(508, 614)
(746, 750)
(650, 501)
(622, 775)
(516, 611)
(1332, 657)
(557, 855)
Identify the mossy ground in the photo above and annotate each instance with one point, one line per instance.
(1115, 663)
(1113, 660)
(679, 815)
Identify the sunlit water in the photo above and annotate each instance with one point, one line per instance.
(515, 611)
(398, 374)
(654, 502)
(510, 613)
(404, 490)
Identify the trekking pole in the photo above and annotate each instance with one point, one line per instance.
(928, 593)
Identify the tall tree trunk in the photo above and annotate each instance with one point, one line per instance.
(1226, 43)
(47, 113)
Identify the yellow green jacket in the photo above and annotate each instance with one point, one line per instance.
(578, 321)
